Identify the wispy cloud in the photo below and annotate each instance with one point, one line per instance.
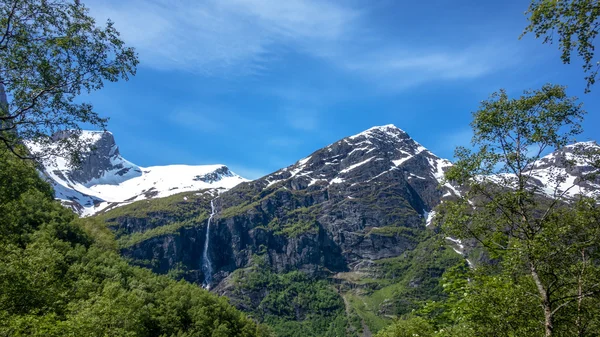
(242, 37)
(302, 119)
(399, 68)
(215, 36)
(284, 142)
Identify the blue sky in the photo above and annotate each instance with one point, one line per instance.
(259, 84)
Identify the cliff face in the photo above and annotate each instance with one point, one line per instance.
(365, 197)
(355, 213)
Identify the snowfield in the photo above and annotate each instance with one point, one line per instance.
(123, 182)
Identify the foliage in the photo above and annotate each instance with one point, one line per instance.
(416, 274)
(408, 328)
(407, 232)
(398, 286)
(51, 51)
(545, 249)
(293, 304)
(61, 276)
(575, 23)
(177, 206)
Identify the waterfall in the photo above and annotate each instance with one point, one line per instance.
(206, 263)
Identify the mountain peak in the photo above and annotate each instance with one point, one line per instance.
(585, 145)
(106, 179)
(389, 130)
(381, 153)
(89, 136)
(387, 127)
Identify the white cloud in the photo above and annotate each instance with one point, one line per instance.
(218, 37)
(241, 37)
(399, 68)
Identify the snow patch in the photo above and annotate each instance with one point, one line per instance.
(429, 218)
(352, 167)
(336, 180)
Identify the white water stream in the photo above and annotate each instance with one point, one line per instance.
(206, 263)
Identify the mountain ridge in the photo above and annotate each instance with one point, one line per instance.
(105, 179)
(356, 213)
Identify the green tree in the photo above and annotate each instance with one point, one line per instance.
(544, 247)
(411, 327)
(51, 52)
(575, 24)
(62, 276)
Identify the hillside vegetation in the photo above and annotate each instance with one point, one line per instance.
(63, 276)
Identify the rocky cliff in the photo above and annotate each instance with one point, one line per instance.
(355, 213)
(365, 197)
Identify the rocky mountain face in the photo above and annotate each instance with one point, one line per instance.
(105, 179)
(333, 215)
(355, 213)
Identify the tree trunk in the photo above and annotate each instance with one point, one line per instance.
(580, 331)
(545, 301)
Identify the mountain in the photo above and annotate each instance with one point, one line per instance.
(573, 166)
(346, 213)
(106, 180)
(338, 243)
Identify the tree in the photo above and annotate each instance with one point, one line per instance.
(62, 276)
(51, 52)
(414, 326)
(575, 23)
(544, 246)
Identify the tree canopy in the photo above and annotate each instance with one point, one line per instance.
(545, 244)
(50, 53)
(533, 248)
(575, 23)
(63, 276)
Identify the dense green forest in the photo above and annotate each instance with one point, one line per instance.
(63, 276)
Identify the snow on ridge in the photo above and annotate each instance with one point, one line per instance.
(123, 182)
(589, 143)
(552, 178)
(352, 167)
(336, 180)
(389, 129)
(418, 150)
(382, 173)
(303, 161)
(93, 135)
(299, 166)
(457, 245)
(154, 182)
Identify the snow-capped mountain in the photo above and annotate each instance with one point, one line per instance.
(370, 156)
(562, 174)
(569, 171)
(105, 179)
(363, 198)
